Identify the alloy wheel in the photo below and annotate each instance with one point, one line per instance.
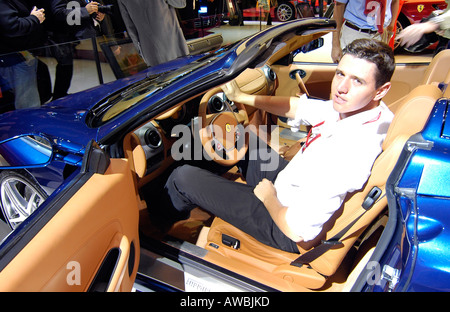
(19, 198)
(285, 12)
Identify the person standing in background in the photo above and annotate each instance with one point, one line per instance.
(21, 30)
(356, 19)
(154, 29)
(62, 36)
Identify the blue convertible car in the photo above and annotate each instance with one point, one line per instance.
(80, 175)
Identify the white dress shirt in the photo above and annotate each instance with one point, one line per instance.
(337, 160)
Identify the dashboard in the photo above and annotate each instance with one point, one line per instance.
(151, 147)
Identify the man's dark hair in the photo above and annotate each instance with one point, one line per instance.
(376, 52)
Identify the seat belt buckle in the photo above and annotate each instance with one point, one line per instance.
(371, 197)
(230, 241)
(332, 242)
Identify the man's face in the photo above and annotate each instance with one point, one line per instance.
(353, 88)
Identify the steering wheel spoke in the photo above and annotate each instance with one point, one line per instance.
(222, 134)
(209, 118)
(242, 117)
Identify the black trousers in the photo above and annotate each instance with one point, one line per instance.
(189, 187)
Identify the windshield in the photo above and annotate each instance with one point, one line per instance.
(135, 93)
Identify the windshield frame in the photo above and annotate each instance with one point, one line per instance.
(231, 60)
(132, 95)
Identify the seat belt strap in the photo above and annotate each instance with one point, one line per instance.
(324, 246)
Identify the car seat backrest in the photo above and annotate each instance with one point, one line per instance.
(409, 109)
(410, 116)
(437, 71)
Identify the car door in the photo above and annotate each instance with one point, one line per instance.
(83, 238)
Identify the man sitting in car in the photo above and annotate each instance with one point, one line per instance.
(290, 204)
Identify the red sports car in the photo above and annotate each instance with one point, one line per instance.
(413, 11)
(283, 10)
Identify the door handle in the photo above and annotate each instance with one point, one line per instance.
(121, 266)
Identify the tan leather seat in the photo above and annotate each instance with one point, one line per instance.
(272, 266)
(438, 69)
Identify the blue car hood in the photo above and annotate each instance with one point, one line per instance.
(63, 121)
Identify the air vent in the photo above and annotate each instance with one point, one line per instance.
(152, 138)
(271, 74)
(216, 104)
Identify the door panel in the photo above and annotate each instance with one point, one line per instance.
(317, 80)
(319, 76)
(68, 252)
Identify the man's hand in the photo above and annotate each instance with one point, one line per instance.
(414, 32)
(265, 191)
(100, 16)
(388, 32)
(39, 13)
(267, 194)
(336, 52)
(92, 7)
(232, 91)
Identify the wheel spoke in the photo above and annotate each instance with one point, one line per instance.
(19, 199)
(32, 205)
(16, 220)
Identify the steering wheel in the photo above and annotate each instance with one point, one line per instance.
(222, 134)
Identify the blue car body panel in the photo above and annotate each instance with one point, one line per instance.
(419, 195)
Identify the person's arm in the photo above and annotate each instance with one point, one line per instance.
(92, 7)
(411, 34)
(338, 16)
(39, 13)
(278, 105)
(443, 20)
(130, 26)
(394, 12)
(266, 193)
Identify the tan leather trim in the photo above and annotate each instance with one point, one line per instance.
(271, 267)
(135, 153)
(293, 44)
(413, 111)
(406, 77)
(92, 222)
(252, 81)
(437, 71)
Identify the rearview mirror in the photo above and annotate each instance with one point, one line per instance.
(311, 46)
(25, 151)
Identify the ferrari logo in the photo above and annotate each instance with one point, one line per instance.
(228, 127)
(420, 7)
